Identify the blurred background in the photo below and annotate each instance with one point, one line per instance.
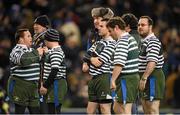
(73, 18)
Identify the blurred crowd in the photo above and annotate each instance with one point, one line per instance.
(73, 19)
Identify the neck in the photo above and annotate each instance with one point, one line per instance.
(120, 33)
(128, 29)
(150, 32)
(106, 36)
(54, 44)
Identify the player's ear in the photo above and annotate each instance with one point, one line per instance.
(116, 27)
(150, 27)
(21, 40)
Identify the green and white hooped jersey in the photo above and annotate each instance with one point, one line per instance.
(126, 54)
(55, 59)
(151, 50)
(103, 49)
(29, 72)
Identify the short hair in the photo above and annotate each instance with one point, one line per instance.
(131, 20)
(150, 21)
(116, 21)
(20, 33)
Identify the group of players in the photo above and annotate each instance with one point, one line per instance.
(125, 61)
(38, 71)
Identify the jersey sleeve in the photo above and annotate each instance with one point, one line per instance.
(153, 50)
(106, 53)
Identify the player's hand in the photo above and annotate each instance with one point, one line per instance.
(43, 90)
(113, 85)
(142, 84)
(40, 51)
(45, 49)
(85, 67)
(96, 61)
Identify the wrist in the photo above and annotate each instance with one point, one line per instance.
(143, 79)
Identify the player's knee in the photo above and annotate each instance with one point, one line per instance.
(153, 110)
(90, 110)
(118, 109)
(105, 109)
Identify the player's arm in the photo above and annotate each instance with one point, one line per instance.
(105, 54)
(56, 60)
(116, 72)
(51, 77)
(87, 56)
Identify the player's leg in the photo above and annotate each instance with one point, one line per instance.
(120, 108)
(104, 94)
(126, 108)
(127, 91)
(116, 108)
(152, 107)
(145, 109)
(105, 106)
(33, 102)
(91, 108)
(92, 102)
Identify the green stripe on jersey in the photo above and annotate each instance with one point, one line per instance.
(127, 53)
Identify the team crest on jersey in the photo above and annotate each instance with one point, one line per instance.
(16, 98)
(103, 94)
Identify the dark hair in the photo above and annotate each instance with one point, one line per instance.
(131, 20)
(116, 21)
(20, 33)
(150, 21)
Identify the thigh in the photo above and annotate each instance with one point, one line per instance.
(19, 94)
(91, 90)
(152, 104)
(99, 89)
(152, 107)
(127, 108)
(34, 98)
(159, 86)
(116, 108)
(61, 92)
(91, 108)
(103, 90)
(130, 91)
(143, 102)
(105, 108)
